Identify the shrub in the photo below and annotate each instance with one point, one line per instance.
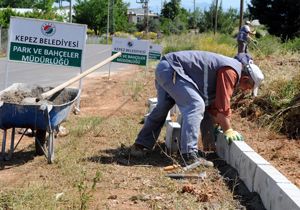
(266, 45)
(123, 35)
(293, 45)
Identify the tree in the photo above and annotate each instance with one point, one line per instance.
(5, 17)
(194, 18)
(226, 23)
(120, 19)
(282, 17)
(174, 19)
(171, 9)
(17, 3)
(44, 5)
(154, 25)
(176, 26)
(93, 13)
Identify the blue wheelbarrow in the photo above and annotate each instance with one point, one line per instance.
(42, 117)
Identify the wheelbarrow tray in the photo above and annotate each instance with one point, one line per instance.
(13, 115)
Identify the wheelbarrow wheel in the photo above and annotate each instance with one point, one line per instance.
(40, 142)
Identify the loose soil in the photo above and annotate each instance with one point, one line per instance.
(21, 95)
(129, 183)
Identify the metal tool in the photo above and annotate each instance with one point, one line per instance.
(192, 166)
(201, 175)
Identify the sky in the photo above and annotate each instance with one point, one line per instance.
(155, 5)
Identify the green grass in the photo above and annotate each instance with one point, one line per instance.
(135, 87)
(218, 43)
(293, 45)
(278, 61)
(265, 46)
(84, 125)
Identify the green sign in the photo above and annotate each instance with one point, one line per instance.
(154, 56)
(133, 51)
(46, 42)
(45, 54)
(155, 51)
(131, 59)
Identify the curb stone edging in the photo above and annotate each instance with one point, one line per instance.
(275, 190)
(172, 136)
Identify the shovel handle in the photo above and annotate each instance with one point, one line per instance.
(78, 77)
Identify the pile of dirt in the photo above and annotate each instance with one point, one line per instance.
(259, 110)
(17, 96)
(28, 96)
(291, 122)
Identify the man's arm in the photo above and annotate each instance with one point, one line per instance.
(223, 121)
(220, 109)
(226, 81)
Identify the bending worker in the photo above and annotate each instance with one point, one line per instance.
(244, 36)
(195, 81)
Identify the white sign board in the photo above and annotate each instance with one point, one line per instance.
(46, 42)
(155, 51)
(133, 51)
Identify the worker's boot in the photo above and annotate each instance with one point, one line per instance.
(137, 150)
(190, 158)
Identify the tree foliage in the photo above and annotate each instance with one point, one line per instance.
(282, 17)
(120, 19)
(17, 3)
(45, 5)
(94, 14)
(171, 9)
(174, 18)
(226, 20)
(5, 17)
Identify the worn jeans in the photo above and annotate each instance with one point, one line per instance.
(189, 102)
(242, 46)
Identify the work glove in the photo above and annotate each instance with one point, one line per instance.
(232, 135)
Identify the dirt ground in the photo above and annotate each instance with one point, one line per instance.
(279, 150)
(133, 184)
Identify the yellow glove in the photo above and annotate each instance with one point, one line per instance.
(232, 135)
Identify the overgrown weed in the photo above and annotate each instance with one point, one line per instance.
(218, 43)
(86, 189)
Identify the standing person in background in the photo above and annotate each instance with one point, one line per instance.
(244, 36)
(196, 81)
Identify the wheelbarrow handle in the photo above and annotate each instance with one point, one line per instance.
(78, 77)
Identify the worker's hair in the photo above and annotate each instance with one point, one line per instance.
(245, 71)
